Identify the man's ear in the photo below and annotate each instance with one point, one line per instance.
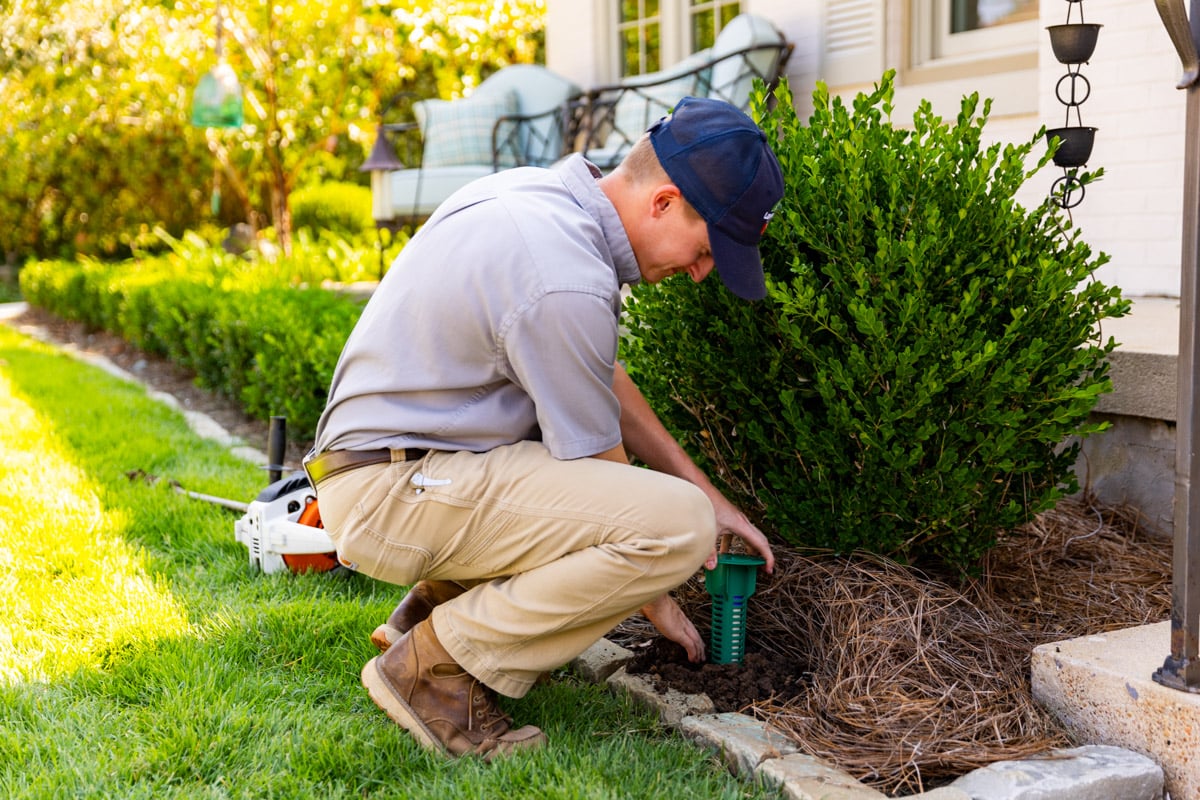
(664, 197)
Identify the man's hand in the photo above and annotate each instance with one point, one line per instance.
(671, 622)
(730, 519)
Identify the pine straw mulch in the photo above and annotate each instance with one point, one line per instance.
(912, 681)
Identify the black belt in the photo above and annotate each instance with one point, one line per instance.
(334, 462)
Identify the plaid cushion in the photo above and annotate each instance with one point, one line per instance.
(459, 132)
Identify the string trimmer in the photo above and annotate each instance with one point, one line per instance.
(282, 526)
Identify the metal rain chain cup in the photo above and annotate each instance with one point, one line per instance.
(730, 585)
(1073, 44)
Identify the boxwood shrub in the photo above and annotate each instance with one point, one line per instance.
(928, 355)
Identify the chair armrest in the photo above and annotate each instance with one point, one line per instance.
(520, 140)
(610, 118)
(732, 76)
(405, 138)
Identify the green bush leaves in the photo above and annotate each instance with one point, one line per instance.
(919, 375)
(343, 208)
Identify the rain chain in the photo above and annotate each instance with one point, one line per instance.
(1073, 44)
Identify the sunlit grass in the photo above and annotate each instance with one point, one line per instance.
(72, 591)
(143, 658)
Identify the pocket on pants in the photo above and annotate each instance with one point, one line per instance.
(372, 553)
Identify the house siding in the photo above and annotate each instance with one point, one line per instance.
(1133, 214)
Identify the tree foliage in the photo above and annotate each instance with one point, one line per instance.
(94, 127)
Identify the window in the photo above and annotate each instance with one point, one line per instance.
(707, 20)
(653, 34)
(639, 30)
(959, 30)
(941, 49)
(971, 15)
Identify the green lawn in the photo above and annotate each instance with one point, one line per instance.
(140, 656)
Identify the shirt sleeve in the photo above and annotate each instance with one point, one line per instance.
(561, 350)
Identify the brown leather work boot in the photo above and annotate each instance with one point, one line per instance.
(425, 692)
(417, 605)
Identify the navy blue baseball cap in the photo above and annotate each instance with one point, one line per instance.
(725, 169)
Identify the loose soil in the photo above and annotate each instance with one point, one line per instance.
(901, 679)
(732, 687)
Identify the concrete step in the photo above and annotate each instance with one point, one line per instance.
(1102, 689)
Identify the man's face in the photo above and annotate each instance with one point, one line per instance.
(675, 240)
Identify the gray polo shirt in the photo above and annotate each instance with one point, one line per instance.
(496, 324)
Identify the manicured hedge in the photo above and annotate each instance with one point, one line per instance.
(269, 346)
(344, 208)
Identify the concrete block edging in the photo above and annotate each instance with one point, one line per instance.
(752, 750)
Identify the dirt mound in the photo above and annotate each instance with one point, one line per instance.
(731, 687)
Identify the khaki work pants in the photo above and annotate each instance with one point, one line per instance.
(557, 552)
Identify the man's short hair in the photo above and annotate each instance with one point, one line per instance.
(641, 162)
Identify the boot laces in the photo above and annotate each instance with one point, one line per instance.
(485, 713)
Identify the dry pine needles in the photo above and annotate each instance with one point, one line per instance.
(914, 681)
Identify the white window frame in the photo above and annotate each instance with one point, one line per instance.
(639, 24)
(934, 45)
(674, 31)
(1000, 62)
(691, 9)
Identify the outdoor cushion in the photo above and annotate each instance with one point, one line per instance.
(459, 132)
(417, 192)
(621, 112)
(641, 107)
(643, 100)
(517, 116)
(542, 98)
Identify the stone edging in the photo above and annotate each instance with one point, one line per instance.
(754, 751)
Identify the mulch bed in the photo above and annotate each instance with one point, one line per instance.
(907, 681)
(902, 679)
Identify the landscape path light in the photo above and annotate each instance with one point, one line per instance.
(381, 163)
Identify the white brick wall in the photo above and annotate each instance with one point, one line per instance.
(1134, 212)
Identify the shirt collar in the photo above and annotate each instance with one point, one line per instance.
(580, 176)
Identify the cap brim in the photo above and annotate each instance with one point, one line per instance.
(739, 265)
